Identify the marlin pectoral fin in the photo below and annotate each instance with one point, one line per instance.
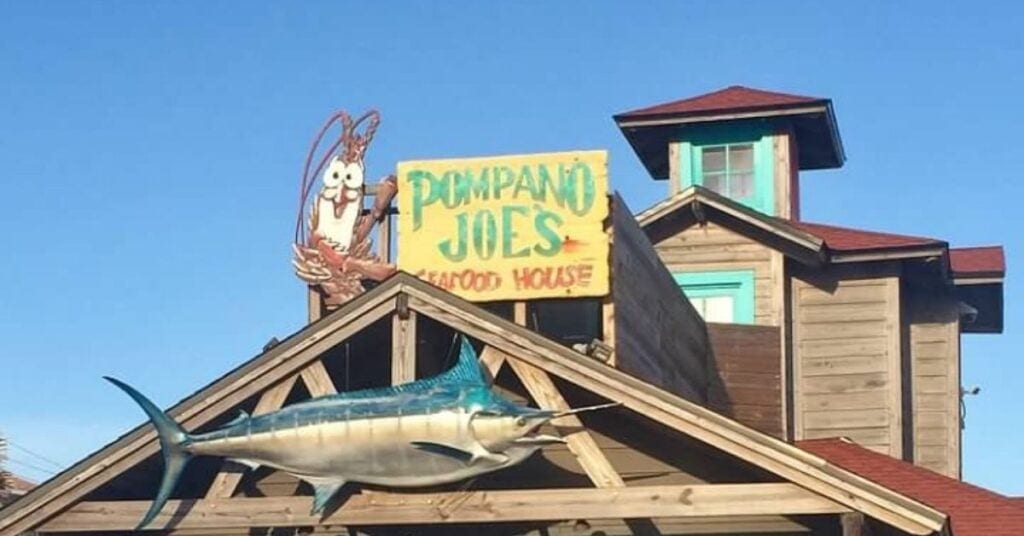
(248, 463)
(444, 450)
(322, 494)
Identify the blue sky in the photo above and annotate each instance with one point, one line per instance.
(149, 160)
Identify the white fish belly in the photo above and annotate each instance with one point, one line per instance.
(373, 451)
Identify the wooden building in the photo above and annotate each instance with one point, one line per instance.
(716, 424)
(868, 323)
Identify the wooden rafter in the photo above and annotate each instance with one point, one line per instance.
(579, 440)
(474, 507)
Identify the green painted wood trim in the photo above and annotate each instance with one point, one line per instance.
(739, 284)
(686, 174)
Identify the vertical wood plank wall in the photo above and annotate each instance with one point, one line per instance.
(659, 337)
(935, 379)
(712, 247)
(846, 360)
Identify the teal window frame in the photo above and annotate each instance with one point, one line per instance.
(691, 161)
(737, 284)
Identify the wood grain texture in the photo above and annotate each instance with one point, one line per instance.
(456, 507)
(847, 358)
(317, 380)
(712, 247)
(748, 363)
(658, 335)
(934, 331)
(403, 348)
(579, 441)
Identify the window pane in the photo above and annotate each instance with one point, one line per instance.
(741, 157)
(718, 309)
(698, 304)
(713, 159)
(741, 185)
(716, 182)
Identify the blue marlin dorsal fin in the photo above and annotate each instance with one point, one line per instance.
(467, 372)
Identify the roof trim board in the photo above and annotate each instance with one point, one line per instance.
(783, 459)
(804, 246)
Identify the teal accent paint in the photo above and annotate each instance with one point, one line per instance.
(694, 140)
(738, 284)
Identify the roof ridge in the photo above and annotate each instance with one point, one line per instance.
(769, 98)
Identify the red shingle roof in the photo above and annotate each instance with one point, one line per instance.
(986, 260)
(732, 98)
(846, 239)
(973, 511)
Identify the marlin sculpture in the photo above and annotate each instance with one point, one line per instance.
(432, 431)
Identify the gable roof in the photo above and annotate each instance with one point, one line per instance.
(697, 204)
(972, 510)
(810, 243)
(732, 98)
(276, 364)
(811, 120)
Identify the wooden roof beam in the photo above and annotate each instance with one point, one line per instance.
(731, 500)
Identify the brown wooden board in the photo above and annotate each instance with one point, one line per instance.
(748, 365)
(659, 337)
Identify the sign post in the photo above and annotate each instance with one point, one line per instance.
(507, 227)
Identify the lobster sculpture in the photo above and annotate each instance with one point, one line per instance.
(333, 249)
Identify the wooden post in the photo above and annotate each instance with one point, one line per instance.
(519, 313)
(384, 237)
(608, 324)
(854, 524)
(314, 304)
(403, 343)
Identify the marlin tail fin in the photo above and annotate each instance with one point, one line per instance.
(173, 443)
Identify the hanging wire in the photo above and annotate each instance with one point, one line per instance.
(31, 466)
(35, 455)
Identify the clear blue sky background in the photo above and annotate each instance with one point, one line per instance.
(149, 160)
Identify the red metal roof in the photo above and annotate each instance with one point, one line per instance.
(973, 511)
(847, 239)
(732, 98)
(985, 260)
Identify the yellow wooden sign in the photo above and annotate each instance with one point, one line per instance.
(506, 227)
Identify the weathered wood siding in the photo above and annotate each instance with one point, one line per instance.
(659, 337)
(934, 331)
(846, 359)
(711, 247)
(747, 359)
